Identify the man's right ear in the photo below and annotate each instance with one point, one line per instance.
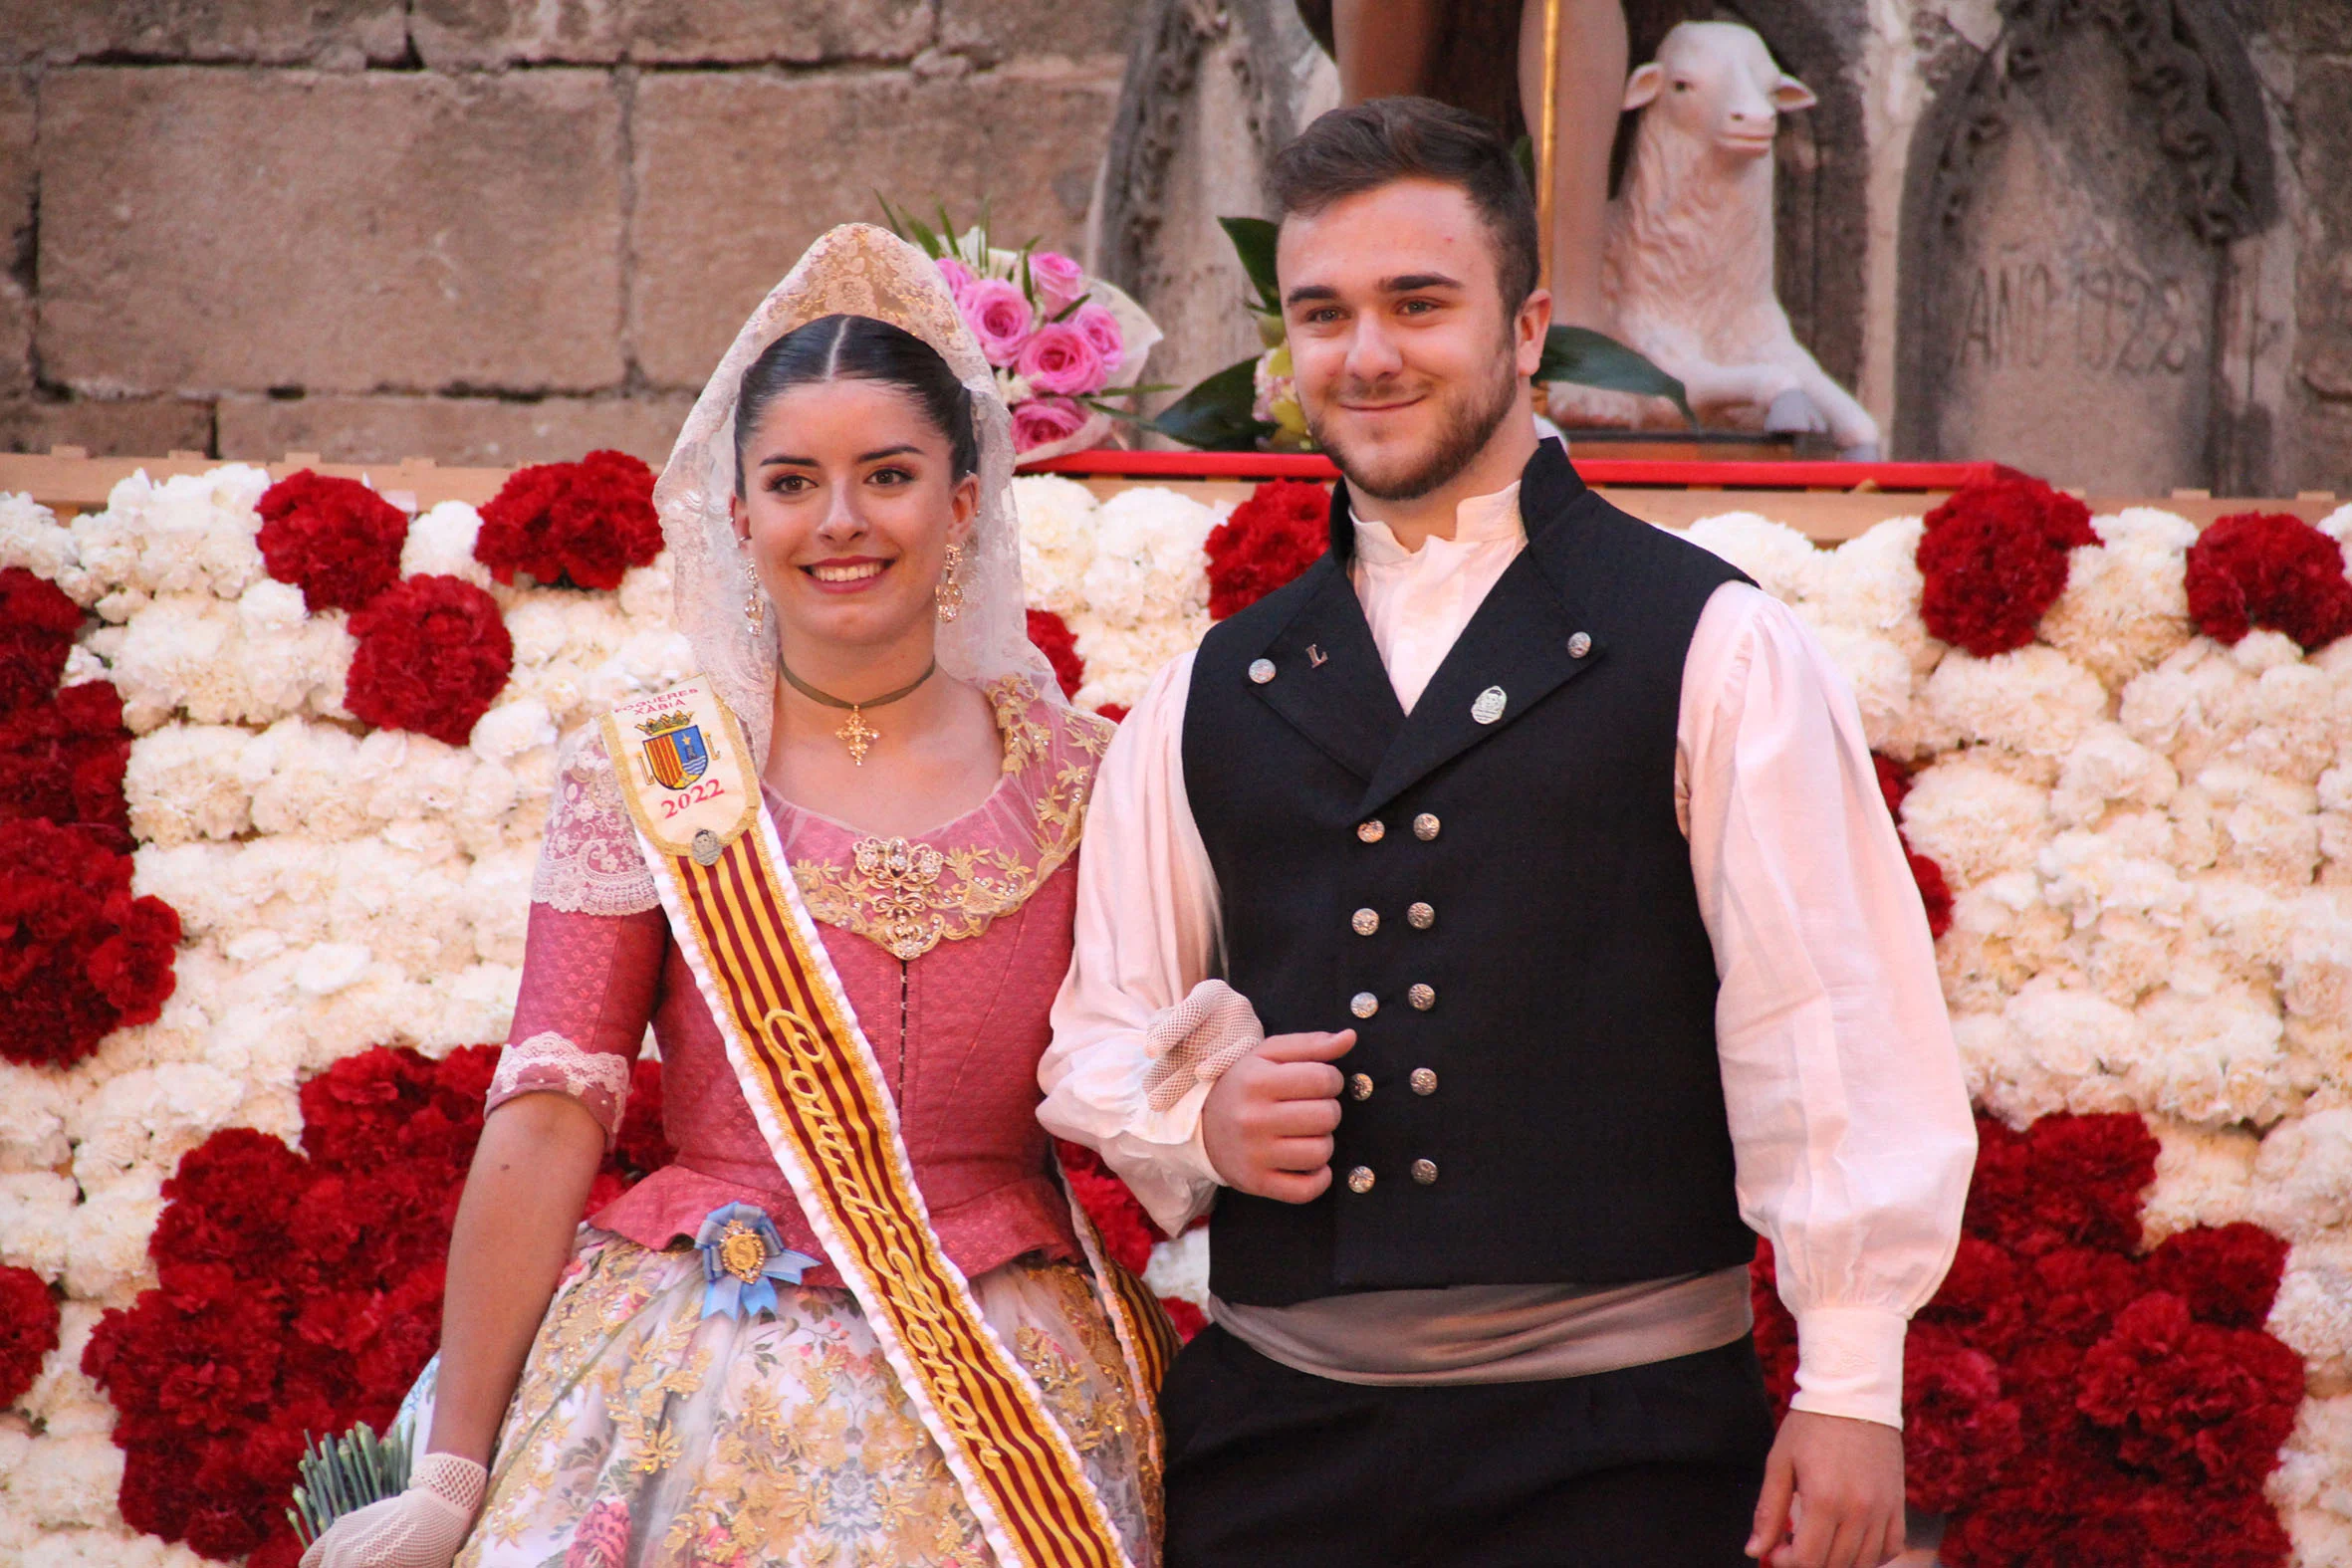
(1643, 85)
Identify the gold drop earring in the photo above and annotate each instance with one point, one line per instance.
(951, 591)
(754, 604)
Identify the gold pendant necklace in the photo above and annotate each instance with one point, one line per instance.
(858, 734)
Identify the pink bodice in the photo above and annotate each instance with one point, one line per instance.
(951, 947)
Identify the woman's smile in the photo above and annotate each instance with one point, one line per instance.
(845, 575)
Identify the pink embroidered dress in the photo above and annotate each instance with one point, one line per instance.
(768, 1439)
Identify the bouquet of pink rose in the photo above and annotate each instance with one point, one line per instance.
(1065, 346)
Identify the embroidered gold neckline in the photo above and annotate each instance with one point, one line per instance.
(909, 895)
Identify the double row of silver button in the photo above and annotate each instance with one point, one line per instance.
(1365, 921)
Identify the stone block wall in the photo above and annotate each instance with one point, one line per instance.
(483, 231)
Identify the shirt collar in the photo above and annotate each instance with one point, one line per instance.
(1477, 519)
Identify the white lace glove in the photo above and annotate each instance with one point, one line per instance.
(422, 1528)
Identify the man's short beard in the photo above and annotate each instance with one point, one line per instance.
(1471, 422)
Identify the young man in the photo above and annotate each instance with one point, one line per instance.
(1507, 914)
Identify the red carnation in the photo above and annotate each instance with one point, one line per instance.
(1959, 1432)
(79, 956)
(2271, 570)
(1270, 538)
(1186, 1318)
(581, 524)
(62, 760)
(2195, 1404)
(2068, 1181)
(300, 1291)
(335, 539)
(1051, 636)
(1115, 712)
(433, 656)
(37, 626)
(1994, 557)
(1935, 894)
(27, 1331)
(2228, 1275)
(1776, 1330)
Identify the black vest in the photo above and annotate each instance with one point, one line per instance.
(1544, 1102)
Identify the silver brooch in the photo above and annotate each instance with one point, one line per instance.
(1580, 644)
(1261, 670)
(707, 847)
(1489, 706)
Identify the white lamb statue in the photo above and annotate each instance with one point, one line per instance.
(1687, 264)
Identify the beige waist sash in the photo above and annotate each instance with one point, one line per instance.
(1496, 1333)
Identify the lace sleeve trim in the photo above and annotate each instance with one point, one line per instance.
(547, 1062)
(590, 862)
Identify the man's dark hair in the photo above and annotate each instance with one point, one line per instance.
(1351, 150)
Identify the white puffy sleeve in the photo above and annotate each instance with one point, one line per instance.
(1140, 1030)
(1849, 1116)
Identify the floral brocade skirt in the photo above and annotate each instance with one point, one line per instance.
(644, 1435)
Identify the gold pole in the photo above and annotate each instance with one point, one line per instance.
(1546, 152)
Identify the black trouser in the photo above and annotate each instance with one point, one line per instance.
(1654, 1467)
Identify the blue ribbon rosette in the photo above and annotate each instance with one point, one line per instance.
(741, 1256)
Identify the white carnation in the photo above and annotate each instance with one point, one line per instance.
(149, 1119)
(2126, 606)
(68, 1480)
(328, 967)
(36, 1214)
(647, 661)
(2204, 1176)
(440, 544)
(1179, 1267)
(33, 1105)
(107, 1243)
(2076, 1041)
(2002, 935)
(191, 533)
(182, 653)
(186, 781)
(1871, 583)
(1881, 676)
(2313, 1312)
(2314, 1475)
(2268, 826)
(1974, 820)
(647, 594)
(1783, 563)
(32, 538)
(512, 728)
(1121, 660)
(1058, 526)
(2031, 701)
(307, 788)
(2107, 768)
(2212, 1058)
(498, 891)
(1149, 561)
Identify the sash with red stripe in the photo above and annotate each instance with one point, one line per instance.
(820, 1098)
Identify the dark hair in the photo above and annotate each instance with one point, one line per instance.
(1351, 150)
(859, 347)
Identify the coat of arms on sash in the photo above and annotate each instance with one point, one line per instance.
(675, 753)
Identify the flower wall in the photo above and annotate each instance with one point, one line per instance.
(319, 738)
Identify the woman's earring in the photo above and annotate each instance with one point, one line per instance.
(754, 604)
(951, 591)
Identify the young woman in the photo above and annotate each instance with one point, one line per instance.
(725, 1366)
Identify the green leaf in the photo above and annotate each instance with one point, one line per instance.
(1216, 416)
(1252, 240)
(1584, 357)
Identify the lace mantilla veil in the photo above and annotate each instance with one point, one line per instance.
(854, 269)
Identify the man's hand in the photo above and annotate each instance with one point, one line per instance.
(1267, 1123)
(1847, 1478)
